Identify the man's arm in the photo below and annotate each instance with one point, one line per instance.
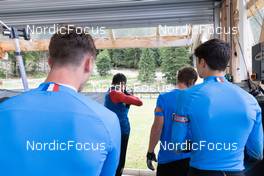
(155, 134)
(156, 130)
(254, 146)
(120, 97)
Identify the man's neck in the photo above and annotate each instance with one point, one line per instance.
(215, 73)
(181, 86)
(63, 77)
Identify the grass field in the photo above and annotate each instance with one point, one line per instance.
(141, 119)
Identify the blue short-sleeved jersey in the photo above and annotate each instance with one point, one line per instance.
(223, 119)
(168, 102)
(49, 131)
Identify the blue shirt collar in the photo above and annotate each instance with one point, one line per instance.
(215, 78)
(45, 86)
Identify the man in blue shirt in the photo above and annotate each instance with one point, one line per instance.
(53, 130)
(170, 163)
(224, 119)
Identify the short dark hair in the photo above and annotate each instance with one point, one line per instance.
(70, 45)
(215, 52)
(119, 78)
(188, 76)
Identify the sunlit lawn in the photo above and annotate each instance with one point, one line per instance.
(141, 119)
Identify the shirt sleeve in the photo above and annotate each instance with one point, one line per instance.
(159, 110)
(112, 159)
(254, 146)
(180, 121)
(120, 97)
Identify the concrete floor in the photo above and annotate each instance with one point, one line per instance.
(138, 172)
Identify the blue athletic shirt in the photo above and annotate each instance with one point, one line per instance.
(168, 102)
(53, 130)
(223, 119)
(121, 110)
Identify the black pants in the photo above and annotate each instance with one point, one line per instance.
(197, 172)
(176, 168)
(122, 160)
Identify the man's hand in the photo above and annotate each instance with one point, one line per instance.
(151, 157)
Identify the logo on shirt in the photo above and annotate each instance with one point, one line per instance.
(53, 88)
(220, 79)
(180, 119)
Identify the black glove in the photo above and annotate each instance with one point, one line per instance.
(151, 157)
(127, 93)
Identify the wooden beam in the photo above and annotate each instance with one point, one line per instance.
(105, 43)
(2, 53)
(252, 3)
(144, 42)
(235, 60)
(253, 6)
(223, 19)
(230, 18)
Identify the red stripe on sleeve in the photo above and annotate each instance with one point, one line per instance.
(120, 97)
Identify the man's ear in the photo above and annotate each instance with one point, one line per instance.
(50, 62)
(203, 63)
(88, 65)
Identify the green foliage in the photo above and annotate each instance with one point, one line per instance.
(103, 63)
(147, 66)
(2, 73)
(31, 60)
(132, 55)
(125, 58)
(146, 60)
(156, 54)
(172, 60)
(14, 68)
(118, 59)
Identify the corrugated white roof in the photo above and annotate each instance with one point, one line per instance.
(109, 13)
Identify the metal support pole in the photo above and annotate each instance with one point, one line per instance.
(21, 65)
(13, 33)
(216, 18)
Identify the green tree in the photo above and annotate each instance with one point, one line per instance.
(31, 61)
(132, 57)
(14, 68)
(2, 74)
(125, 58)
(157, 57)
(147, 66)
(103, 63)
(117, 57)
(172, 60)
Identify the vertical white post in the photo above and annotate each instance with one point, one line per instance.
(246, 42)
